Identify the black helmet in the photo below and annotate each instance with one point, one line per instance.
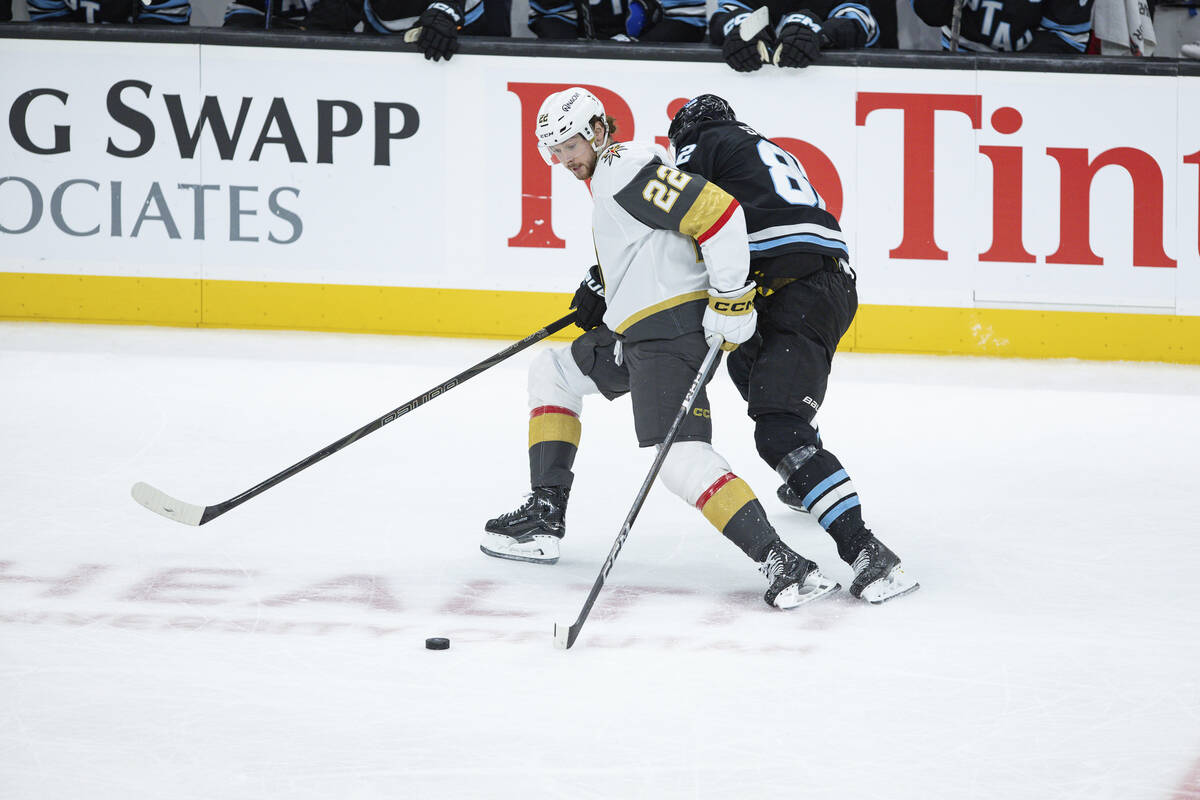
(699, 109)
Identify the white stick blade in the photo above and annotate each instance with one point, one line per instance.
(560, 635)
(162, 503)
(753, 24)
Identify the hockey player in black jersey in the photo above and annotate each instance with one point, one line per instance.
(807, 300)
(1031, 26)
(141, 12)
(789, 33)
(641, 20)
(433, 26)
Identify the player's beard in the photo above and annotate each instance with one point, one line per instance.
(589, 168)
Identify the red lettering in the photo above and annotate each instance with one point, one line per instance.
(468, 601)
(1007, 196)
(62, 586)
(1077, 173)
(367, 590)
(1194, 158)
(158, 587)
(919, 111)
(537, 228)
(820, 170)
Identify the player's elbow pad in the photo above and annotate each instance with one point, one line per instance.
(726, 252)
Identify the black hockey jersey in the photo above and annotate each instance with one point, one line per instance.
(664, 20)
(1036, 26)
(730, 13)
(480, 18)
(791, 234)
(168, 12)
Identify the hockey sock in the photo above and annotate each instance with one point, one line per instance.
(824, 488)
(553, 442)
(730, 505)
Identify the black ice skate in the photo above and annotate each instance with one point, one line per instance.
(790, 499)
(878, 575)
(794, 579)
(530, 533)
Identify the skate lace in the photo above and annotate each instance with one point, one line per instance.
(520, 511)
(772, 566)
(862, 561)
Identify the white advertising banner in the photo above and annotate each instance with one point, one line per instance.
(956, 188)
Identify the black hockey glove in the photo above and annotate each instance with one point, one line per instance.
(749, 41)
(842, 33)
(799, 41)
(436, 32)
(589, 300)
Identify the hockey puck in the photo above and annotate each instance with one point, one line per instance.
(437, 643)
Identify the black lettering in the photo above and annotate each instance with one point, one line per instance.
(287, 215)
(325, 131)
(198, 190)
(155, 196)
(35, 205)
(56, 212)
(384, 133)
(287, 137)
(135, 120)
(17, 119)
(236, 213)
(210, 114)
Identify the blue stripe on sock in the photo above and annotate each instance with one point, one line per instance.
(832, 514)
(824, 485)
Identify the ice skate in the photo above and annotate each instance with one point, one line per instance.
(878, 574)
(794, 579)
(531, 532)
(790, 499)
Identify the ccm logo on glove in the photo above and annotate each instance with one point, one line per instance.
(725, 307)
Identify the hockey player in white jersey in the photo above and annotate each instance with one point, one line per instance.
(672, 279)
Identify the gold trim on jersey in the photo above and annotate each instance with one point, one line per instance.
(670, 302)
(707, 208)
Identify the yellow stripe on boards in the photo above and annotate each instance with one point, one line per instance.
(289, 306)
(728, 500)
(1023, 333)
(1020, 333)
(108, 299)
(554, 428)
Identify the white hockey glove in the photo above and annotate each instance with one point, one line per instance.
(730, 317)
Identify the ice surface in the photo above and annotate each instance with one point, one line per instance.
(1049, 510)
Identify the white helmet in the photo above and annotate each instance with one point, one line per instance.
(564, 114)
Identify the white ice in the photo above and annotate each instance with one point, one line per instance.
(1048, 508)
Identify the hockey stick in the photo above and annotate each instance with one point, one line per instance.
(565, 635)
(955, 25)
(584, 27)
(189, 514)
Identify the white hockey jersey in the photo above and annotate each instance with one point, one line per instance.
(663, 237)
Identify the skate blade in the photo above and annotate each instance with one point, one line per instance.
(895, 584)
(812, 589)
(537, 550)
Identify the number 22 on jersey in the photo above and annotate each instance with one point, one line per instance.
(665, 194)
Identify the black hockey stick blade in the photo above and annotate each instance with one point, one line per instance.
(565, 635)
(172, 508)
